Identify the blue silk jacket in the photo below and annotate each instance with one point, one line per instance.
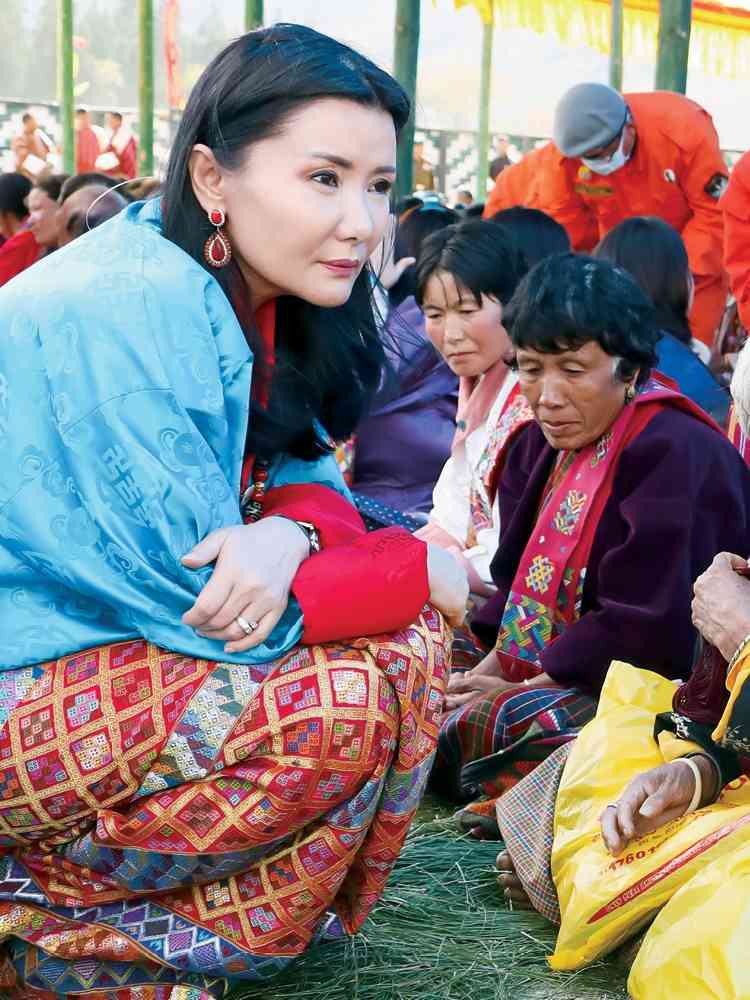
(124, 395)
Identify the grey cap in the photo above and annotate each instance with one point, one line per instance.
(588, 116)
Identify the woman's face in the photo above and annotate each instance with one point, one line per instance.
(470, 335)
(309, 205)
(575, 395)
(42, 217)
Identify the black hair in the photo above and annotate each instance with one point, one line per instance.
(481, 257)
(570, 299)
(537, 234)
(328, 361)
(117, 115)
(475, 211)
(51, 185)
(652, 251)
(105, 204)
(404, 204)
(13, 191)
(82, 111)
(78, 181)
(410, 235)
(26, 117)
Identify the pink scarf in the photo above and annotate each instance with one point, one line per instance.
(475, 399)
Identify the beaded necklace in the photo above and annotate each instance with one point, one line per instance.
(255, 471)
(253, 493)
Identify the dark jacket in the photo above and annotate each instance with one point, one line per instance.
(693, 378)
(404, 442)
(681, 494)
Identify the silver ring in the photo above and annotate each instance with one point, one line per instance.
(247, 627)
(611, 806)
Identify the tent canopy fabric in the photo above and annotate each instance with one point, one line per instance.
(719, 43)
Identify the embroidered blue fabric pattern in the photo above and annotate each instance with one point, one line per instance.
(124, 391)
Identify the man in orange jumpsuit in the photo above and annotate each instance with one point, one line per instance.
(735, 204)
(615, 156)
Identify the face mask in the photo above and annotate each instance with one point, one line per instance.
(608, 165)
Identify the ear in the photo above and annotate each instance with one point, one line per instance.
(206, 178)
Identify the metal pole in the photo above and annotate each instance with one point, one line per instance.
(405, 59)
(253, 14)
(485, 89)
(615, 46)
(675, 18)
(65, 82)
(146, 88)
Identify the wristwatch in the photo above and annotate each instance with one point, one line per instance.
(313, 536)
(310, 531)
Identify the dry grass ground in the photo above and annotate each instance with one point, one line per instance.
(441, 932)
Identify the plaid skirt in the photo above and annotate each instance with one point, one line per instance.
(170, 825)
(490, 744)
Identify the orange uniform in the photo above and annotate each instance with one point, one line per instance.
(676, 172)
(735, 204)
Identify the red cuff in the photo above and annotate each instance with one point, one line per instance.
(375, 584)
(335, 517)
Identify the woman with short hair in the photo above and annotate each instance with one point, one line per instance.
(612, 501)
(466, 276)
(44, 210)
(652, 251)
(706, 725)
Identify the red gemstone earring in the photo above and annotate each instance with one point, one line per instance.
(217, 249)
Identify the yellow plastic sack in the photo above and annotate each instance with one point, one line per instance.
(605, 900)
(696, 948)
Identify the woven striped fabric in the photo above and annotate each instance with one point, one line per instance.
(171, 825)
(490, 744)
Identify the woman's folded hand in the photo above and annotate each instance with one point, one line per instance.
(468, 687)
(471, 685)
(721, 606)
(254, 566)
(449, 585)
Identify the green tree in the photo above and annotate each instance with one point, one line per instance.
(615, 45)
(675, 17)
(254, 15)
(405, 62)
(146, 86)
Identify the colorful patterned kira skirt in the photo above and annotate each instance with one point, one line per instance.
(170, 825)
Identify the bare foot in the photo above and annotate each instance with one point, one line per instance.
(513, 890)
